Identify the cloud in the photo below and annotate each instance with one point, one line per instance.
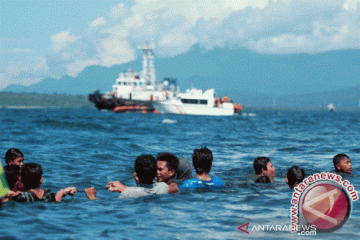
(29, 71)
(351, 5)
(62, 40)
(118, 12)
(98, 22)
(266, 26)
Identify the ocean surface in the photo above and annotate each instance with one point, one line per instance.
(87, 147)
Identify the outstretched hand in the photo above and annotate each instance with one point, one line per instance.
(70, 191)
(116, 186)
(91, 193)
(63, 192)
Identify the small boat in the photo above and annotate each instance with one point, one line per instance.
(331, 107)
(196, 102)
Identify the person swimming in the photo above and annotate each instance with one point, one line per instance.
(167, 165)
(31, 177)
(342, 163)
(144, 175)
(202, 161)
(14, 156)
(295, 175)
(264, 167)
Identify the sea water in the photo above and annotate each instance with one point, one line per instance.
(87, 147)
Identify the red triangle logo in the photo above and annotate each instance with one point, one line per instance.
(245, 225)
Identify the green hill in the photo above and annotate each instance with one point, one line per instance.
(35, 100)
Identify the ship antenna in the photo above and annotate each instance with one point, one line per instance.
(148, 65)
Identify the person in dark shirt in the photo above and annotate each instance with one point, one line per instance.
(31, 177)
(263, 179)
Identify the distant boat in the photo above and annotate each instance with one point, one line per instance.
(331, 107)
(197, 102)
(135, 92)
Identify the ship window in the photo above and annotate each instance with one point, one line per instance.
(203, 102)
(190, 101)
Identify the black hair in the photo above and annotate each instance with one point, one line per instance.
(295, 175)
(338, 158)
(172, 162)
(12, 154)
(146, 168)
(31, 174)
(12, 175)
(184, 170)
(263, 179)
(260, 163)
(202, 160)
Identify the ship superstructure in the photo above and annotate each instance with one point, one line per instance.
(134, 91)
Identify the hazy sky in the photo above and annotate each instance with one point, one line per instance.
(53, 38)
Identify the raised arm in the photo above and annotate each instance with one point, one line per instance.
(116, 186)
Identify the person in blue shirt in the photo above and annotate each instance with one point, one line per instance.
(202, 161)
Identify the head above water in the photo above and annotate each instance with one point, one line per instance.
(14, 156)
(295, 175)
(263, 166)
(146, 168)
(342, 163)
(31, 175)
(167, 165)
(202, 160)
(12, 175)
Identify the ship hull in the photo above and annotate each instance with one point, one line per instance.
(120, 104)
(178, 108)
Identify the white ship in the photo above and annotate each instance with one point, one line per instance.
(197, 102)
(134, 91)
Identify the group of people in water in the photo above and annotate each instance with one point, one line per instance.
(160, 175)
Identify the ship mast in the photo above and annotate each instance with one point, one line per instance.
(148, 70)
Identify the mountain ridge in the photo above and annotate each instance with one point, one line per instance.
(249, 78)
